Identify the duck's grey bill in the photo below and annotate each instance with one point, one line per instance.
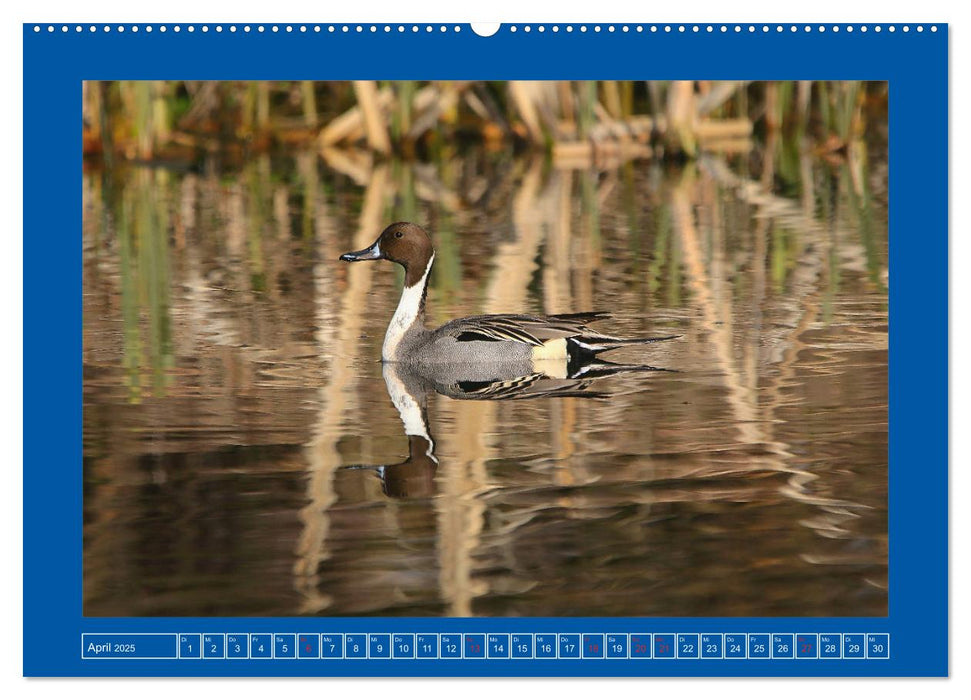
(372, 253)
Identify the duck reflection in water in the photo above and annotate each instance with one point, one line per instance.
(409, 386)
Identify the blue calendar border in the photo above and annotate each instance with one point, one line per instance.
(914, 63)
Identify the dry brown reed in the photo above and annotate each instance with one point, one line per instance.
(570, 120)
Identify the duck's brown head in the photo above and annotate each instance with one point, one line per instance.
(404, 243)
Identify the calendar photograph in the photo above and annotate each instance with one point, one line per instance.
(508, 349)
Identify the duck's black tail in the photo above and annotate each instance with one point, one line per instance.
(595, 344)
(591, 367)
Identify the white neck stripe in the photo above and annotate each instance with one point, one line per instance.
(405, 315)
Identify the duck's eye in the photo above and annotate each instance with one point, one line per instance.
(398, 234)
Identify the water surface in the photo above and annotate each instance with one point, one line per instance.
(232, 375)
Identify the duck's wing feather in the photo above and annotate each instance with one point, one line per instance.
(521, 328)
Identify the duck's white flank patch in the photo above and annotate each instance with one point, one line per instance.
(554, 368)
(408, 408)
(551, 350)
(405, 314)
(551, 358)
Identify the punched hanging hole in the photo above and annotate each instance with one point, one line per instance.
(485, 29)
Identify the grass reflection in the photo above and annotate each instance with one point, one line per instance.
(143, 240)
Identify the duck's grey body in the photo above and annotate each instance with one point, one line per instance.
(434, 347)
(513, 339)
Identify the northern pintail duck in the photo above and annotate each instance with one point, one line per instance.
(523, 340)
